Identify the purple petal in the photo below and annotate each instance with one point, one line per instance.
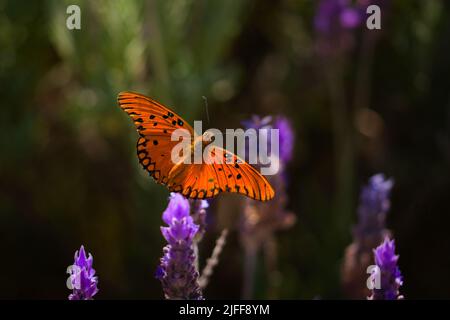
(177, 208)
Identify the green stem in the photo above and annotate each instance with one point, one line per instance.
(343, 134)
(250, 260)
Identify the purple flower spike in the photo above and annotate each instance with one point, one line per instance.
(368, 233)
(198, 214)
(333, 15)
(335, 23)
(177, 208)
(286, 136)
(286, 133)
(390, 276)
(82, 279)
(374, 205)
(375, 196)
(177, 271)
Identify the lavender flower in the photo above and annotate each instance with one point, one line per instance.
(177, 271)
(369, 232)
(82, 279)
(373, 207)
(286, 133)
(389, 272)
(198, 213)
(286, 138)
(260, 220)
(334, 23)
(333, 15)
(257, 122)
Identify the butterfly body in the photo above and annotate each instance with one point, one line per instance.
(156, 123)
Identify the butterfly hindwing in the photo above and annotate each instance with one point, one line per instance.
(234, 175)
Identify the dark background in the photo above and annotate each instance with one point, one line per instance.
(68, 168)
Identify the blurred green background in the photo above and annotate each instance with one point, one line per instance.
(68, 168)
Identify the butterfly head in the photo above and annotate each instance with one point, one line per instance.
(206, 138)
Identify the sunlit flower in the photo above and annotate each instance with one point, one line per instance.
(177, 271)
(82, 277)
(390, 276)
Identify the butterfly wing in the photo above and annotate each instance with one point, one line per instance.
(205, 180)
(155, 124)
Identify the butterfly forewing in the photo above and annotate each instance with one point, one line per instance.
(155, 125)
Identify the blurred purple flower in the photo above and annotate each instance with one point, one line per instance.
(374, 204)
(177, 271)
(333, 15)
(351, 18)
(198, 213)
(286, 138)
(82, 277)
(286, 133)
(389, 272)
(257, 122)
(368, 233)
(260, 221)
(335, 22)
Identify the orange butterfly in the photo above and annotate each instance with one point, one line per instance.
(155, 124)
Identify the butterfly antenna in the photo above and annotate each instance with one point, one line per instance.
(206, 106)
